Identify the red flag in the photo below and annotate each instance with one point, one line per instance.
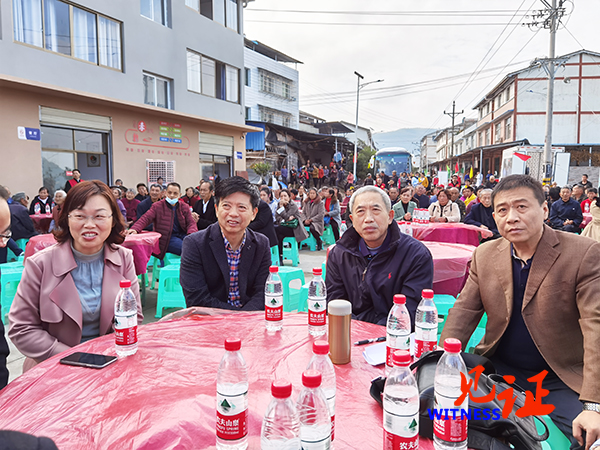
(521, 156)
(456, 168)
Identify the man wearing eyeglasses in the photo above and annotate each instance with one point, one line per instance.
(4, 237)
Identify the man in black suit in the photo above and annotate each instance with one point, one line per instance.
(226, 265)
(204, 210)
(21, 223)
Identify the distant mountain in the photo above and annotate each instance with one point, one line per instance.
(404, 137)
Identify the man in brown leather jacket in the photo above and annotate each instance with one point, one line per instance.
(540, 289)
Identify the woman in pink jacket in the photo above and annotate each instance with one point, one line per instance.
(67, 292)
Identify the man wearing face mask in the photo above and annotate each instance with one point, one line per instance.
(172, 219)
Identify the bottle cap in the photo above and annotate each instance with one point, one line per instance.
(273, 269)
(317, 271)
(427, 293)
(339, 307)
(401, 358)
(125, 283)
(399, 299)
(233, 345)
(321, 347)
(311, 378)
(452, 345)
(281, 389)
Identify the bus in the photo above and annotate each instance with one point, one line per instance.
(393, 158)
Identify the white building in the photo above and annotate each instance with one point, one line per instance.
(271, 85)
(428, 150)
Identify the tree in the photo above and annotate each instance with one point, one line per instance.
(364, 155)
(262, 169)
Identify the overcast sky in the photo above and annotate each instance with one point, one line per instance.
(404, 55)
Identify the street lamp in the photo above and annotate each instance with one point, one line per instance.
(358, 88)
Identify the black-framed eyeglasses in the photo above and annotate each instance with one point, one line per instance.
(5, 237)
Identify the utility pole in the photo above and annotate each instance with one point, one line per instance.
(453, 114)
(550, 19)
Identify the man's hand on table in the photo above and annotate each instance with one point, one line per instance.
(588, 421)
(195, 216)
(130, 231)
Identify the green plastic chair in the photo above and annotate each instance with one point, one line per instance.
(291, 252)
(309, 241)
(443, 303)
(556, 439)
(274, 256)
(328, 238)
(9, 281)
(156, 267)
(170, 293)
(291, 295)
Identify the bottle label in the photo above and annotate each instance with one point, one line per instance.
(422, 347)
(317, 312)
(126, 336)
(273, 308)
(332, 428)
(395, 342)
(400, 431)
(232, 416)
(451, 427)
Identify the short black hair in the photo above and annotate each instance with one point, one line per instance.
(585, 175)
(177, 185)
(235, 184)
(294, 191)
(594, 190)
(210, 185)
(519, 181)
(268, 191)
(156, 185)
(76, 170)
(140, 184)
(43, 188)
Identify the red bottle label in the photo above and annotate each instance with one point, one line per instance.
(274, 314)
(232, 427)
(126, 336)
(422, 347)
(317, 318)
(332, 427)
(450, 430)
(394, 442)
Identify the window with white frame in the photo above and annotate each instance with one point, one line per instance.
(487, 136)
(498, 132)
(274, 116)
(212, 78)
(67, 29)
(156, 10)
(157, 91)
(231, 14)
(248, 76)
(274, 84)
(508, 128)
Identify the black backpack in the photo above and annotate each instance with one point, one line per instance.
(484, 433)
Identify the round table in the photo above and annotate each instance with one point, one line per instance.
(450, 266)
(163, 397)
(457, 233)
(142, 245)
(41, 222)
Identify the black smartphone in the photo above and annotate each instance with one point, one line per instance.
(88, 360)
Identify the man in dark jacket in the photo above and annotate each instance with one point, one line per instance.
(372, 261)
(21, 223)
(481, 214)
(204, 210)
(565, 214)
(263, 223)
(226, 265)
(73, 181)
(171, 218)
(145, 205)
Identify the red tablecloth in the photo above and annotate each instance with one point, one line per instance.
(41, 222)
(142, 245)
(450, 266)
(164, 396)
(457, 233)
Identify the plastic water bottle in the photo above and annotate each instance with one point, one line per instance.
(315, 422)
(401, 405)
(281, 425)
(426, 324)
(398, 330)
(321, 362)
(126, 320)
(449, 432)
(37, 209)
(343, 228)
(232, 399)
(317, 304)
(273, 300)
(47, 208)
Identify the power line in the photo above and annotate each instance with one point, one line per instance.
(355, 24)
(481, 12)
